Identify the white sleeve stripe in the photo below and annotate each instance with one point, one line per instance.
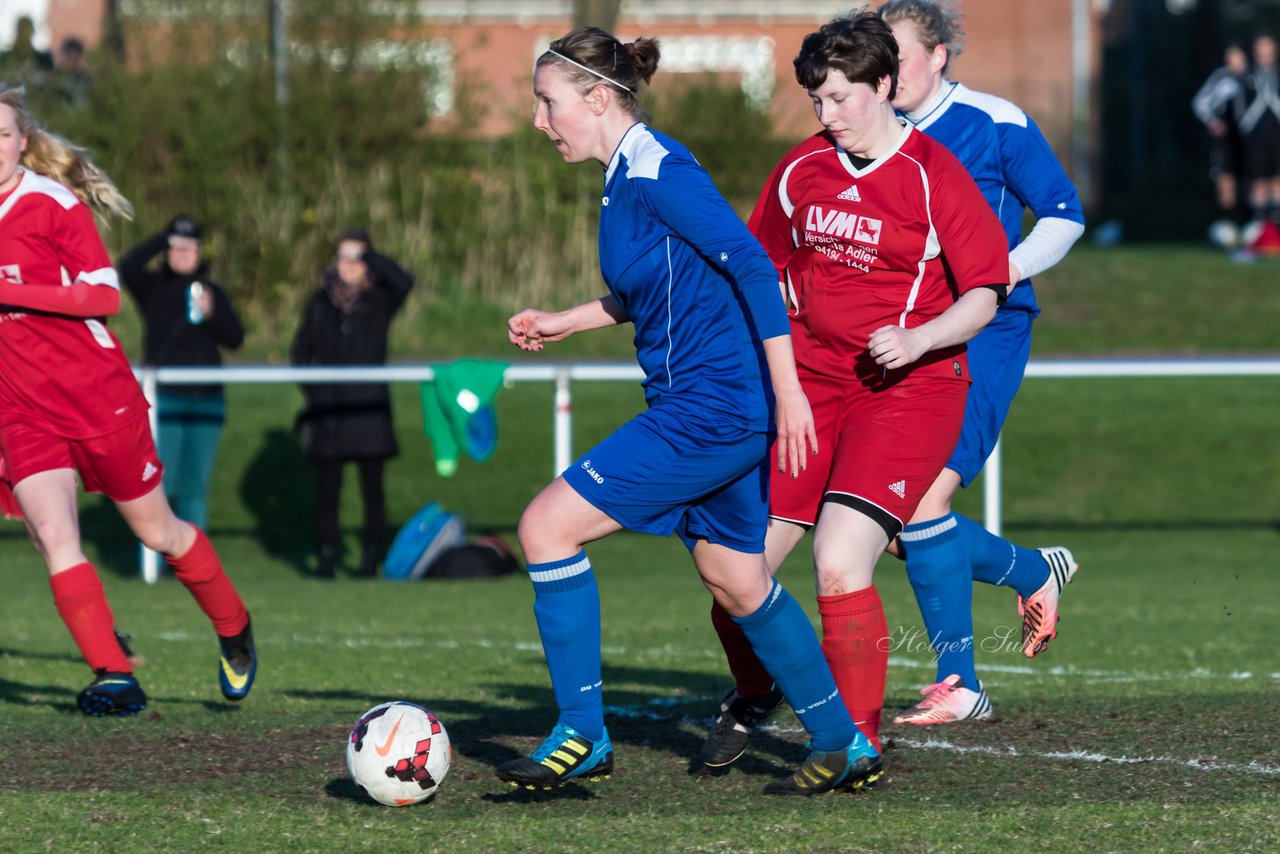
(102, 276)
(1045, 245)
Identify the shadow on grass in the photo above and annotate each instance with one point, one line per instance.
(60, 699)
(567, 792)
(512, 726)
(6, 652)
(23, 694)
(117, 550)
(278, 491)
(345, 789)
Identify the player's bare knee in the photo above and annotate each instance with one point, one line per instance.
(837, 580)
(161, 538)
(541, 534)
(53, 535)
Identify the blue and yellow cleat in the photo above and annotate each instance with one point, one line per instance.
(564, 756)
(238, 664)
(112, 694)
(851, 769)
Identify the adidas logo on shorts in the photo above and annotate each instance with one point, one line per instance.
(899, 489)
(148, 471)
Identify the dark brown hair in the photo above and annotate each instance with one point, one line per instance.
(860, 46)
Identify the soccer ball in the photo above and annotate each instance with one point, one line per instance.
(398, 753)
(1224, 234)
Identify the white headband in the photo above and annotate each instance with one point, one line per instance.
(590, 71)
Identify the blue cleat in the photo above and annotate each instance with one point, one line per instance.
(564, 756)
(238, 664)
(853, 768)
(112, 694)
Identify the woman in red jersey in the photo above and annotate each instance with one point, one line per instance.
(892, 260)
(70, 409)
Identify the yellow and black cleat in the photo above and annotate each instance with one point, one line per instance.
(857, 767)
(565, 755)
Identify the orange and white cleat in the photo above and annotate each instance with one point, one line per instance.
(1039, 611)
(948, 702)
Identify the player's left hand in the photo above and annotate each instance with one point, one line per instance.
(895, 347)
(797, 437)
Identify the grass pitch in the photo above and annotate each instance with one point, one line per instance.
(1149, 724)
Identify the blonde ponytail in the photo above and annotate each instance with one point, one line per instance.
(52, 156)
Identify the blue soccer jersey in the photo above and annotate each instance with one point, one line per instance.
(1010, 160)
(700, 291)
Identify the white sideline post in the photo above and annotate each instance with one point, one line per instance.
(991, 480)
(150, 390)
(563, 423)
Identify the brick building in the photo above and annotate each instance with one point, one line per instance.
(1042, 54)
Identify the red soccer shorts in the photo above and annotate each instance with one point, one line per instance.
(879, 450)
(122, 465)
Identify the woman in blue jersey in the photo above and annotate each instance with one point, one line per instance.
(1011, 162)
(712, 336)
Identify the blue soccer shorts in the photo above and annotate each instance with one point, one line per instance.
(997, 359)
(666, 472)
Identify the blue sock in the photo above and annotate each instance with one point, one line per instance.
(938, 568)
(783, 638)
(1000, 562)
(566, 604)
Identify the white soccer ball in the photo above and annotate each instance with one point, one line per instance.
(1224, 234)
(398, 753)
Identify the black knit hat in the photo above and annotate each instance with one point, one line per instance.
(185, 226)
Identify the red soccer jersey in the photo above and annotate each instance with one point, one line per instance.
(893, 243)
(68, 373)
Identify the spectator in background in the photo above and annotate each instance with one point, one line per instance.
(1258, 114)
(186, 318)
(1212, 105)
(73, 74)
(346, 322)
(23, 58)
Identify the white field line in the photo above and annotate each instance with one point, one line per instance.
(650, 711)
(1057, 671)
(1090, 756)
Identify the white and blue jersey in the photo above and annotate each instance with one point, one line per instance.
(1009, 159)
(696, 284)
(1012, 164)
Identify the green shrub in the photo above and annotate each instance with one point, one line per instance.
(192, 125)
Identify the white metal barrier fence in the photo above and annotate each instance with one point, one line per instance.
(563, 375)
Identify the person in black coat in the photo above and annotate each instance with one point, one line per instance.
(346, 323)
(186, 318)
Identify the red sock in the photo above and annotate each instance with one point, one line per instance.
(744, 664)
(854, 640)
(82, 605)
(201, 573)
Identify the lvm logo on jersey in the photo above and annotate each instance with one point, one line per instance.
(837, 223)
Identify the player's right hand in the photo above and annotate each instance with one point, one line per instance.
(532, 328)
